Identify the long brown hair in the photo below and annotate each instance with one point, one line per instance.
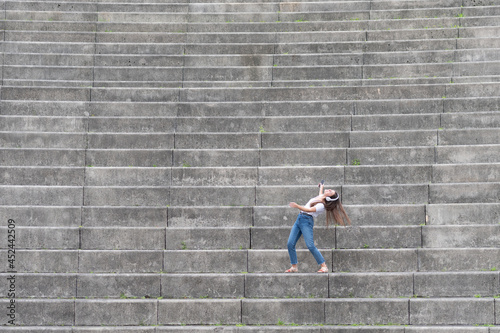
(335, 212)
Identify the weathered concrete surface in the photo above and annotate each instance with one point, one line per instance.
(269, 312)
(207, 312)
(370, 311)
(456, 284)
(286, 286)
(364, 285)
(203, 285)
(115, 312)
(452, 311)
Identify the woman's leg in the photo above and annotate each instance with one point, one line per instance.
(295, 234)
(307, 230)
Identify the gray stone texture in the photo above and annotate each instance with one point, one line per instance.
(387, 174)
(460, 236)
(118, 285)
(378, 237)
(458, 329)
(269, 312)
(176, 312)
(370, 311)
(125, 261)
(149, 150)
(276, 238)
(469, 193)
(438, 311)
(115, 312)
(40, 285)
(43, 238)
(385, 194)
(286, 286)
(43, 261)
(456, 284)
(467, 154)
(122, 238)
(203, 238)
(458, 259)
(379, 260)
(42, 312)
(277, 261)
(203, 285)
(212, 196)
(463, 214)
(210, 217)
(38, 216)
(108, 216)
(386, 215)
(205, 261)
(140, 329)
(369, 285)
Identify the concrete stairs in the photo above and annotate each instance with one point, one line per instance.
(149, 149)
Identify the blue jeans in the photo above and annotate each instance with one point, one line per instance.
(303, 226)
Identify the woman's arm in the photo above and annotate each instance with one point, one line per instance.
(321, 189)
(302, 208)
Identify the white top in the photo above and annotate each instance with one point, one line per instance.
(320, 208)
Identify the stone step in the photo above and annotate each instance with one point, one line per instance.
(288, 25)
(459, 236)
(42, 157)
(343, 285)
(42, 36)
(257, 83)
(361, 215)
(455, 154)
(43, 140)
(76, 16)
(280, 12)
(352, 39)
(48, 59)
(48, 216)
(278, 26)
(268, 328)
(250, 109)
(72, 157)
(188, 61)
(436, 259)
(247, 176)
(130, 312)
(259, 78)
(41, 195)
(43, 124)
(254, 261)
(256, 285)
(251, 94)
(462, 214)
(140, 238)
(271, 6)
(70, 6)
(135, 238)
(48, 176)
(242, 195)
(389, 81)
(240, 217)
(268, 47)
(60, 47)
(243, 140)
(348, 260)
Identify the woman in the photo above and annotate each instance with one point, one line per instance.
(328, 201)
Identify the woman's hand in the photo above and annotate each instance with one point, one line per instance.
(293, 205)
